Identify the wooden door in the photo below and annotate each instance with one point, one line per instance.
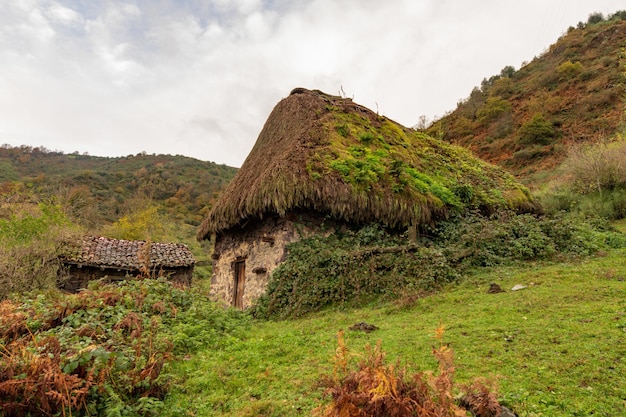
(240, 283)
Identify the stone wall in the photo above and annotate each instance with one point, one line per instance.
(77, 277)
(262, 246)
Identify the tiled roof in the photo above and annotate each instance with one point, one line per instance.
(126, 254)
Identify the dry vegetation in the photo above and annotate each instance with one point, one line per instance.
(572, 94)
(379, 389)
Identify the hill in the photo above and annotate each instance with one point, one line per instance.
(526, 120)
(96, 191)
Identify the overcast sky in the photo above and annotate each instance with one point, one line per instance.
(199, 78)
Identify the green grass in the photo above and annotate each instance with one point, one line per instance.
(557, 347)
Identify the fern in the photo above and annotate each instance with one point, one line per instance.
(377, 389)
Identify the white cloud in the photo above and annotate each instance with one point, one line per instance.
(199, 78)
(63, 15)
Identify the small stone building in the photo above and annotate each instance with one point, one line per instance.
(323, 162)
(114, 260)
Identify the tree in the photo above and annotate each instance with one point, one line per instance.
(594, 18)
(537, 131)
(507, 71)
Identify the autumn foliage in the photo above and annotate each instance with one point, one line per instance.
(377, 388)
(84, 354)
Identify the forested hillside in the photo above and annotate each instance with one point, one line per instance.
(527, 120)
(96, 191)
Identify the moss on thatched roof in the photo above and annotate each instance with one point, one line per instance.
(331, 155)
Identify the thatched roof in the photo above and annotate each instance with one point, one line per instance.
(331, 155)
(129, 255)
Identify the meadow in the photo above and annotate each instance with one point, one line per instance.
(554, 348)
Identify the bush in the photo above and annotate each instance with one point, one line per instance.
(530, 153)
(350, 267)
(506, 237)
(359, 266)
(599, 167)
(558, 200)
(476, 240)
(537, 131)
(32, 237)
(378, 389)
(595, 17)
(493, 108)
(569, 69)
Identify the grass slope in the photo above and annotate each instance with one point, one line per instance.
(557, 347)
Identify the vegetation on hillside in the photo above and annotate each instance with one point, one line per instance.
(526, 120)
(49, 199)
(97, 191)
(147, 348)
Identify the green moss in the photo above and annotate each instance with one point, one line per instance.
(366, 137)
(375, 154)
(343, 130)
(362, 167)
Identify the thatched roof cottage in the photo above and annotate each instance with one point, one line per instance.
(96, 257)
(321, 162)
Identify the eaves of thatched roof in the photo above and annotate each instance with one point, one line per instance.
(331, 155)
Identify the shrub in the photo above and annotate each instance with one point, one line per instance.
(530, 153)
(599, 167)
(557, 200)
(569, 69)
(503, 87)
(359, 266)
(493, 108)
(462, 127)
(476, 240)
(537, 131)
(32, 237)
(143, 224)
(350, 267)
(377, 388)
(595, 17)
(507, 71)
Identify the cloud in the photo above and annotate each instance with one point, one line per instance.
(63, 15)
(200, 77)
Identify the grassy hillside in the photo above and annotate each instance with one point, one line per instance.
(525, 120)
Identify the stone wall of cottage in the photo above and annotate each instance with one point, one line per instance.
(262, 246)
